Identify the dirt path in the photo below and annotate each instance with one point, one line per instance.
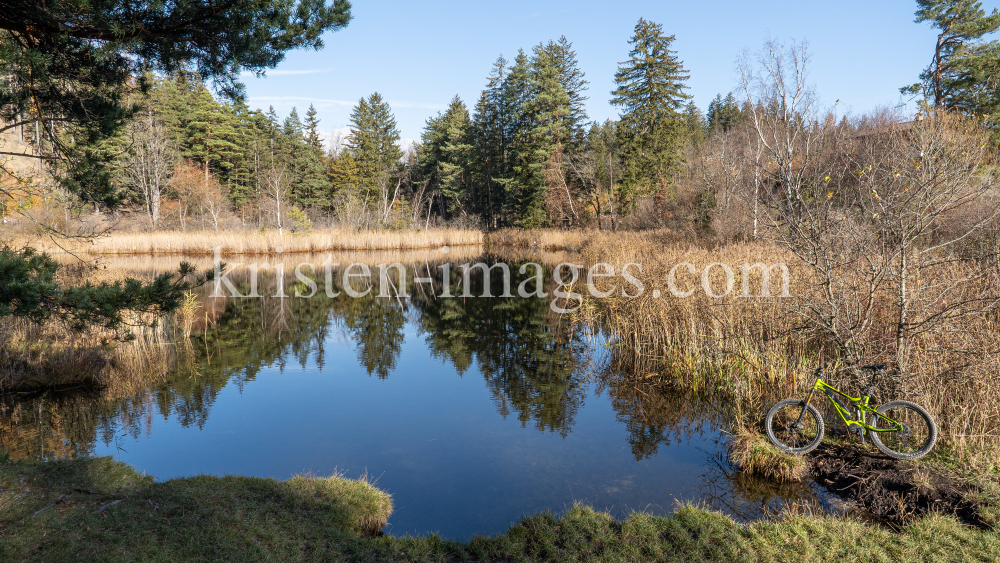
(891, 489)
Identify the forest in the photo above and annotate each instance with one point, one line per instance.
(524, 155)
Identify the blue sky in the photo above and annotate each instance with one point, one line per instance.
(418, 55)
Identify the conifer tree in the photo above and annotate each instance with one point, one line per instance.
(312, 129)
(210, 134)
(962, 74)
(373, 144)
(650, 93)
(521, 182)
(445, 155)
(574, 83)
(311, 188)
(723, 113)
(695, 124)
(490, 145)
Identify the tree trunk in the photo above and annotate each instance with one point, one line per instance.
(154, 206)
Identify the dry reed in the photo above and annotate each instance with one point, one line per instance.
(753, 348)
(270, 242)
(754, 454)
(36, 356)
(560, 239)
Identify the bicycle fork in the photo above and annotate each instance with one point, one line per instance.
(805, 406)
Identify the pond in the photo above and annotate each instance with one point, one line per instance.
(470, 412)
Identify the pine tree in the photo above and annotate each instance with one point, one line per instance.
(962, 75)
(650, 93)
(955, 66)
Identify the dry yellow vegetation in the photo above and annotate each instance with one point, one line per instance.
(756, 350)
(270, 242)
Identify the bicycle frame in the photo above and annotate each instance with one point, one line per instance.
(860, 403)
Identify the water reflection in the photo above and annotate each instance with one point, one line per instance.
(529, 357)
(537, 369)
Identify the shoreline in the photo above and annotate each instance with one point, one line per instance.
(93, 508)
(204, 243)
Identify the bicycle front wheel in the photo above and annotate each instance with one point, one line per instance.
(910, 432)
(792, 430)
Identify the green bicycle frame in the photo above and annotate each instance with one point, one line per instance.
(860, 403)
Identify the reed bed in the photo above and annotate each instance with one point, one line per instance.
(36, 356)
(52, 356)
(755, 351)
(271, 242)
(149, 265)
(563, 240)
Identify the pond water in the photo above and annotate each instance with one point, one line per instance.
(470, 412)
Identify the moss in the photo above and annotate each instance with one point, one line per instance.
(63, 511)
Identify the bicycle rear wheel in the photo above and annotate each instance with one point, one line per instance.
(788, 433)
(916, 434)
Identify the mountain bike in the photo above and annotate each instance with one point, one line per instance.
(901, 429)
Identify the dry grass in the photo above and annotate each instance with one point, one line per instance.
(561, 239)
(270, 242)
(52, 356)
(754, 454)
(753, 349)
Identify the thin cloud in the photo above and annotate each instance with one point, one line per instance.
(246, 74)
(330, 102)
(399, 104)
(319, 101)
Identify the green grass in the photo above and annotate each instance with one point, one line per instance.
(330, 519)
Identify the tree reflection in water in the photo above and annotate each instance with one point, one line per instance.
(536, 366)
(527, 356)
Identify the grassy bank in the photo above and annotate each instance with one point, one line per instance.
(269, 242)
(99, 509)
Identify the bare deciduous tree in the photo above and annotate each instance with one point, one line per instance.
(275, 187)
(783, 111)
(149, 164)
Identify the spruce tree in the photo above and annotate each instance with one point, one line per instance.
(650, 93)
(312, 132)
(490, 145)
(723, 113)
(521, 181)
(373, 145)
(313, 186)
(547, 116)
(210, 136)
(574, 83)
(445, 155)
(695, 124)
